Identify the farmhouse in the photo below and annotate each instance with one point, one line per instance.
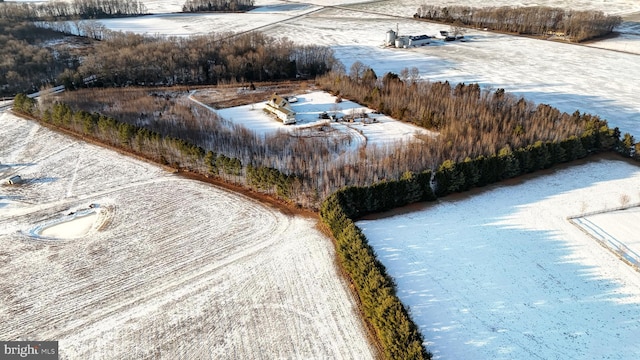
(280, 107)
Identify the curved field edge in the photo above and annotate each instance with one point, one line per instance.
(241, 280)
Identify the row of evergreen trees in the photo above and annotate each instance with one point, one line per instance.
(461, 176)
(271, 181)
(164, 149)
(389, 320)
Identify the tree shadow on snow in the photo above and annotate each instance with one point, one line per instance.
(487, 276)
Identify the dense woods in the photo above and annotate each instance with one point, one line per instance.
(130, 59)
(76, 9)
(30, 57)
(123, 59)
(217, 5)
(576, 26)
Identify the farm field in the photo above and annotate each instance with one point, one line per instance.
(158, 266)
(503, 274)
(615, 230)
(500, 274)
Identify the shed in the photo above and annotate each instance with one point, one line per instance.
(16, 179)
(419, 40)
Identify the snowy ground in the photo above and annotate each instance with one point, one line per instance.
(139, 272)
(376, 129)
(503, 274)
(616, 231)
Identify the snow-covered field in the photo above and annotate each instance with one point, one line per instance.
(119, 259)
(503, 274)
(615, 230)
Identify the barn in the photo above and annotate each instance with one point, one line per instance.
(419, 40)
(280, 107)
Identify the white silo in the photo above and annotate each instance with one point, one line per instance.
(391, 37)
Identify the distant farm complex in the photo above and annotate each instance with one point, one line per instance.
(406, 41)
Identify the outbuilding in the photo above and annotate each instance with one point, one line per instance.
(14, 180)
(419, 40)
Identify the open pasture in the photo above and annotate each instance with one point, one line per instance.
(168, 267)
(504, 274)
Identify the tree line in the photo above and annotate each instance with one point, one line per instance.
(76, 9)
(131, 59)
(217, 5)
(520, 138)
(575, 25)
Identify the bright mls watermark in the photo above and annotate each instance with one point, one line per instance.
(32, 350)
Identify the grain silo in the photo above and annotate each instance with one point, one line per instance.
(391, 38)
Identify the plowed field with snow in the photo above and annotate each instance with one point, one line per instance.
(162, 267)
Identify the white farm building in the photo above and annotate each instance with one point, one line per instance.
(280, 107)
